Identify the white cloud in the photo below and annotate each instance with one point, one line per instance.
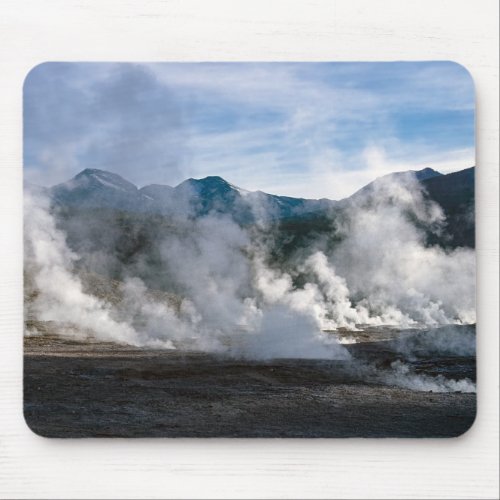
(312, 130)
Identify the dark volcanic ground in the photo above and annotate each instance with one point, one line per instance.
(74, 389)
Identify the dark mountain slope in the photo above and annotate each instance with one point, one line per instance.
(93, 188)
(455, 194)
(363, 195)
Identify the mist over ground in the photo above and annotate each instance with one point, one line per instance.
(223, 283)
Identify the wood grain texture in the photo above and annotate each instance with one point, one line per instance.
(32, 31)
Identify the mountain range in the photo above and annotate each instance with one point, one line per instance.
(99, 189)
(114, 226)
(94, 188)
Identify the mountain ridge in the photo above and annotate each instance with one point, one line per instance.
(114, 229)
(211, 185)
(192, 198)
(92, 188)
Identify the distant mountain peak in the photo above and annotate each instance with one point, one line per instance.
(214, 183)
(211, 180)
(99, 188)
(426, 173)
(90, 171)
(105, 178)
(420, 175)
(210, 184)
(402, 176)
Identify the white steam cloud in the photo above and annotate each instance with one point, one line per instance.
(401, 375)
(220, 315)
(385, 262)
(233, 301)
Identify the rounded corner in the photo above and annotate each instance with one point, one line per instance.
(33, 70)
(463, 435)
(30, 427)
(466, 71)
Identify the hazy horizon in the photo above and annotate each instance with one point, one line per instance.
(234, 185)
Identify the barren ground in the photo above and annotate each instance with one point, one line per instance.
(75, 389)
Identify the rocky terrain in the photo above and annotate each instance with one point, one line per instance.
(86, 389)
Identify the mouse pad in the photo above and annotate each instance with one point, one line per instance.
(249, 250)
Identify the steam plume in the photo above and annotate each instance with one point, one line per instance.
(235, 300)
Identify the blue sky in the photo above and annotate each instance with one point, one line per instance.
(299, 129)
